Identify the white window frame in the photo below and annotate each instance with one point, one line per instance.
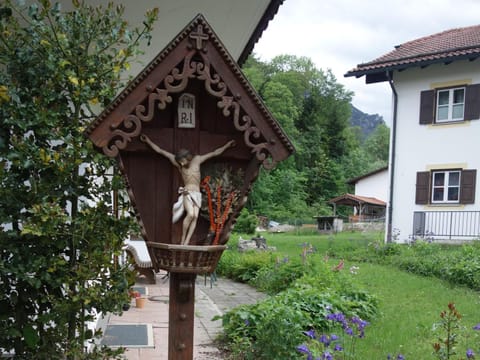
(446, 186)
(450, 105)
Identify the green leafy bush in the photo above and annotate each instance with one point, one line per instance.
(307, 289)
(243, 267)
(272, 329)
(279, 276)
(457, 264)
(246, 222)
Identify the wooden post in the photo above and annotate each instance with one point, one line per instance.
(181, 316)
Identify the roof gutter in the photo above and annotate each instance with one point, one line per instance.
(392, 156)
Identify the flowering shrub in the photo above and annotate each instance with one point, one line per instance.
(272, 328)
(327, 346)
(331, 347)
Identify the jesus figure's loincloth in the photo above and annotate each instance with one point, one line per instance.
(195, 198)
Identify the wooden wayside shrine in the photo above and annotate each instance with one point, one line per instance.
(191, 99)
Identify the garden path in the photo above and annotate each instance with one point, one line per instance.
(211, 298)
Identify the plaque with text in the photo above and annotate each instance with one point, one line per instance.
(186, 111)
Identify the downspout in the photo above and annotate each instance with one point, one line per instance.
(392, 156)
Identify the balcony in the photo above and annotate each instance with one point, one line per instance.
(449, 225)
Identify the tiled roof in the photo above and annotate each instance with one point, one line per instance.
(350, 199)
(446, 46)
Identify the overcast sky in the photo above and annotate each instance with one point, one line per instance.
(339, 34)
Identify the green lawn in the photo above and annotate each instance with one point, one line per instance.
(409, 305)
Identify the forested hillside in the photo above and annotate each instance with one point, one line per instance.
(367, 122)
(315, 112)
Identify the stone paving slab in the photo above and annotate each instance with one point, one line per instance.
(211, 299)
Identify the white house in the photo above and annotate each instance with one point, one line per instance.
(369, 199)
(373, 184)
(435, 82)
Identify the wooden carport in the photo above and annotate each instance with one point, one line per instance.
(368, 207)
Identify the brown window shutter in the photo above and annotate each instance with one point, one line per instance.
(467, 186)
(422, 194)
(427, 108)
(472, 102)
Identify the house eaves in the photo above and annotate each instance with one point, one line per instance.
(262, 25)
(445, 47)
(354, 180)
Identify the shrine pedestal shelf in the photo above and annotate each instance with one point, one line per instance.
(189, 259)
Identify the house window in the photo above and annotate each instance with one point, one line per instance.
(445, 186)
(450, 104)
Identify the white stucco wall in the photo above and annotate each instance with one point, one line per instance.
(426, 147)
(375, 185)
(233, 21)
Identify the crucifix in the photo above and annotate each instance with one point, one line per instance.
(189, 195)
(191, 96)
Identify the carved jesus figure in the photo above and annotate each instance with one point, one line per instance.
(189, 195)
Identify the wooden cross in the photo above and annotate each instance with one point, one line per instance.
(154, 182)
(199, 36)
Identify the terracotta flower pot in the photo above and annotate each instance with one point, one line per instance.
(140, 302)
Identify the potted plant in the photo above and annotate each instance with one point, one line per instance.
(139, 300)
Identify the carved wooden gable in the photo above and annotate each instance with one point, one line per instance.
(192, 96)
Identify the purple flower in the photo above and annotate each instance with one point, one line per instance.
(246, 322)
(338, 347)
(327, 355)
(305, 350)
(331, 316)
(470, 354)
(477, 327)
(361, 324)
(349, 331)
(310, 333)
(333, 337)
(338, 317)
(399, 357)
(325, 340)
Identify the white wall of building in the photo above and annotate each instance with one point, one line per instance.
(426, 147)
(375, 185)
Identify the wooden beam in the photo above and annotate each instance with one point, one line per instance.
(181, 316)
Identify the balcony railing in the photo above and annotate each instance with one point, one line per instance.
(446, 224)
